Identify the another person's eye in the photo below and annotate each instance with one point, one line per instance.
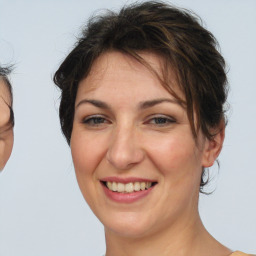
(95, 120)
(161, 120)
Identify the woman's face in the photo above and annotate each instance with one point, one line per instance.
(6, 130)
(136, 161)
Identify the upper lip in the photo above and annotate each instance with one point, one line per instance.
(126, 180)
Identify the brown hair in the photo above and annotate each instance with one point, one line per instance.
(4, 72)
(174, 34)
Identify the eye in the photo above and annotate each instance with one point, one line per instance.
(95, 121)
(161, 120)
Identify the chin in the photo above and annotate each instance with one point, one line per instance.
(130, 225)
(127, 231)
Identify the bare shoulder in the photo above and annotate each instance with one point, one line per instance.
(238, 253)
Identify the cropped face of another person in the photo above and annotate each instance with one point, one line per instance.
(6, 123)
(136, 160)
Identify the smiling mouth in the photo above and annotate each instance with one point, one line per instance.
(128, 187)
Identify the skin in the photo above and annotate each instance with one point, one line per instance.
(152, 142)
(6, 130)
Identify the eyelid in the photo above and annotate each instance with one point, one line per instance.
(90, 121)
(161, 116)
(93, 116)
(169, 119)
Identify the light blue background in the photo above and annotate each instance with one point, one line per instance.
(42, 212)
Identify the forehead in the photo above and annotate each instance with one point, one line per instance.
(109, 63)
(115, 70)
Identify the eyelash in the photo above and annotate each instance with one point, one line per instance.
(95, 120)
(159, 121)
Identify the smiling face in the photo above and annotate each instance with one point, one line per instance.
(6, 130)
(136, 161)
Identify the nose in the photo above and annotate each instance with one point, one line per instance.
(124, 150)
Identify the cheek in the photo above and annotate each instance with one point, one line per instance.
(87, 151)
(86, 156)
(80, 155)
(6, 145)
(176, 157)
(9, 143)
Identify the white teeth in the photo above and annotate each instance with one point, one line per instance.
(148, 184)
(120, 187)
(137, 186)
(128, 187)
(109, 185)
(142, 185)
(114, 186)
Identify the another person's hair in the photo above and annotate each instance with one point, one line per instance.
(177, 36)
(4, 72)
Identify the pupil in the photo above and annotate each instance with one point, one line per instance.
(98, 120)
(161, 120)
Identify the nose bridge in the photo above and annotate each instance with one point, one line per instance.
(124, 150)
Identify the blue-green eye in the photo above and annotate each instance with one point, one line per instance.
(94, 120)
(161, 121)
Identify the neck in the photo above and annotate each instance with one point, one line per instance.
(188, 238)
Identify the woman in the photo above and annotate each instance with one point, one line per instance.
(6, 117)
(142, 108)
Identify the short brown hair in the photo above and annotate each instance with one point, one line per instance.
(4, 72)
(174, 34)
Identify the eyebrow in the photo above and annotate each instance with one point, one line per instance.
(152, 103)
(96, 103)
(142, 105)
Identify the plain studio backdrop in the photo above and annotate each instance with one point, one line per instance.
(42, 212)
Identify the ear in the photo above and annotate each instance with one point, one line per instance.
(213, 146)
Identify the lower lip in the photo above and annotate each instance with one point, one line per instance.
(126, 197)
